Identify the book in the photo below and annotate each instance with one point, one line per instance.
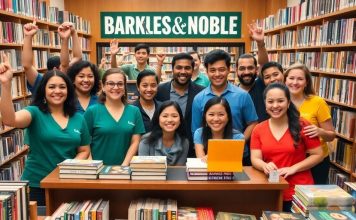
(77, 176)
(323, 195)
(211, 178)
(148, 162)
(115, 172)
(80, 164)
(331, 215)
(196, 165)
(148, 177)
(187, 213)
(234, 216)
(273, 215)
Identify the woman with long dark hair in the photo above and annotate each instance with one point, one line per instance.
(216, 124)
(52, 112)
(168, 136)
(280, 144)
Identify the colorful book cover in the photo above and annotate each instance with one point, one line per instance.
(85, 163)
(234, 216)
(273, 215)
(331, 215)
(323, 195)
(115, 170)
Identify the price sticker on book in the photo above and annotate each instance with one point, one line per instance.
(273, 176)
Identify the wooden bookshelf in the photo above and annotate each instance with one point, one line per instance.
(285, 55)
(245, 196)
(14, 156)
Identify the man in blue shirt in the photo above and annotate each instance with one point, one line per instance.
(244, 117)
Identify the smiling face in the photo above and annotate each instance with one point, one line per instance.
(296, 81)
(56, 91)
(84, 80)
(141, 56)
(169, 119)
(217, 73)
(271, 75)
(276, 103)
(148, 88)
(197, 61)
(217, 118)
(246, 71)
(182, 72)
(114, 86)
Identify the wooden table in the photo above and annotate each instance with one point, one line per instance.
(250, 197)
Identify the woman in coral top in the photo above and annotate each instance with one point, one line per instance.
(315, 110)
(280, 144)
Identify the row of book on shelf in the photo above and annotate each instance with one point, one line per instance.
(341, 153)
(40, 10)
(305, 10)
(341, 31)
(14, 200)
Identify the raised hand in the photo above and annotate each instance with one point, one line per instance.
(30, 29)
(256, 33)
(65, 30)
(5, 70)
(160, 58)
(114, 47)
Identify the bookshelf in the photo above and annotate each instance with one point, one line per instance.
(235, 50)
(46, 43)
(324, 38)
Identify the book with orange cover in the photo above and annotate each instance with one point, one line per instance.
(225, 155)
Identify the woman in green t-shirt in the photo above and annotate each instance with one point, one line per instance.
(52, 111)
(115, 126)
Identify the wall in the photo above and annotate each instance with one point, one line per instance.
(251, 9)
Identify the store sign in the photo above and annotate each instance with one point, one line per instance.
(170, 24)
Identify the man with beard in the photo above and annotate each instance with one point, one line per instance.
(181, 90)
(247, 73)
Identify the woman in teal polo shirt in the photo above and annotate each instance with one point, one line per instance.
(115, 126)
(55, 131)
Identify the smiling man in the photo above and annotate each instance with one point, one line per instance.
(181, 90)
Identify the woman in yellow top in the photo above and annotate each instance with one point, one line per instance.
(315, 110)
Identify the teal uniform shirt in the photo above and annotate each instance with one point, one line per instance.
(111, 139)
(50, 144)
(202, 80)
(132, 72)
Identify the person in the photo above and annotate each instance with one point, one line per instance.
(216, 124)
(272, 72)
(198, 77)
(65, 31)
(181, 90)
(115, 126)
(280, 143)
(147, 83)
(168, 136)
(247, 72)
(142, 53)
(244, 117)
(85, 78)
(52, 111)
(315, 110)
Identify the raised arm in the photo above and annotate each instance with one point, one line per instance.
(20, 119)
(257, 34)
(160, 60)
(114, 50)
(77, 46)
(29, 30)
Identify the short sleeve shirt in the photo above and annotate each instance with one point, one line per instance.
(132, 71)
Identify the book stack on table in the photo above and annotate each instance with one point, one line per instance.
(318, 198)
(79, 169)
(115, 172)
(148, 168)
(198, 170)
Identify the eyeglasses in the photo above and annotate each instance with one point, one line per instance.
(112, 84)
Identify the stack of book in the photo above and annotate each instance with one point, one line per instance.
(274, 215)
(98, 210)
(198, 170)
(14, 200)
(79, 169)
(153, 209)
(309, 198)
(148, 168)
(115, 172)
(331, 215)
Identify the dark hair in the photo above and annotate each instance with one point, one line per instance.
(102, 96)
(156, 128)
(52, 62)
(292, 112)
(308, 90)
(247, 56)
(75, 69)
(182, 56)
(194, 52)
(216, 55)
(228, 130)
(142, 46)
(269, 65)
(143, 74)
(69, 107)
